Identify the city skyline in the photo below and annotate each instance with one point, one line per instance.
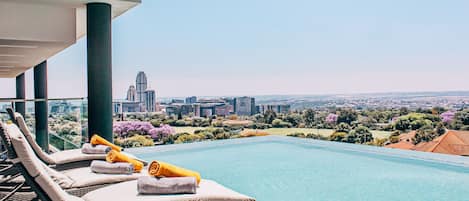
(313, 48)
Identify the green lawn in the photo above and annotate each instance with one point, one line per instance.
(286, 131)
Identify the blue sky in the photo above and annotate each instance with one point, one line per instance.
(256, 47)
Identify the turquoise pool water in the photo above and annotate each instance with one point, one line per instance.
(285, 170)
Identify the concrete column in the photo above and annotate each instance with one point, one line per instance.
(99, 70)
(40, 106)
(20, 94)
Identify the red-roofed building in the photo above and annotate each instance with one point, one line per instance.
(405, 141)
(452, 142)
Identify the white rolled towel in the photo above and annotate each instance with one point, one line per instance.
(104, 167)
(87, 148)
(166, 185)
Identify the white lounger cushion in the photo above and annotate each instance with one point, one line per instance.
(72, 178)
(31, 140)
(74, 155)
(35, 167)
(83, 177)
(57, 158)
(207, 191)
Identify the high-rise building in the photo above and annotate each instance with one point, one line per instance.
(245, 106)
(125, 106)
(280, 108)
(177, 101)
(191, 100)
(223, 110)
(131, 93)
(141, 84)
(150, 100)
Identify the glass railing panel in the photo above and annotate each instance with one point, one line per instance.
(29, 116)
(67, 122)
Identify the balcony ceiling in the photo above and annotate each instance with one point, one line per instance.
(32, 31)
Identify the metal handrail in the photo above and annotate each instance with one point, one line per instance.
(15, 100)
(74, 98)
(12, 100)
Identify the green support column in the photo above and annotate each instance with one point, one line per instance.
(98, 24)
(20, 94)
(40, 106)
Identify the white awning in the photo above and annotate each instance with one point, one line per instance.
(32, 31)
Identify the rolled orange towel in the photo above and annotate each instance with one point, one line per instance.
(115, 156)
(96, 139)
(162, 169)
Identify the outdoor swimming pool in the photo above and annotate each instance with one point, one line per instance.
(288, 169)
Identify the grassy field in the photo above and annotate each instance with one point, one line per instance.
(286, 131)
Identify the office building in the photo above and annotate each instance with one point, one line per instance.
(125, 106)
(191, 100)
(150, 100)
(177, 101)
(244, 106)
(141, 84)
(131, 94)
(277, 108)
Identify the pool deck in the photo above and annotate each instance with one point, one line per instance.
(451, 160)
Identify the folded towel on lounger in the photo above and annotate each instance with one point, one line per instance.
(114, 156)
(87, 148)
(104, 167)
(96, 140)
(162, 169)
(174, 185)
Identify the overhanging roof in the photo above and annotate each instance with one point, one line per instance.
(32, 31)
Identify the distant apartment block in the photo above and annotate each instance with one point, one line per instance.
(201, 108)
(277, 108)
(180, 109)
(223, 110)
(229, 101)
(244, 106)
(172, 110)
(131, 94)
(191, 100)
(150, 100)
(177, 101)
(187, 109)
(125, 106)
(207, 111)
(60, 107)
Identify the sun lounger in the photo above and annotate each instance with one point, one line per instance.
(39, 179)
(61, 160)
(73, 180)
(208, 190)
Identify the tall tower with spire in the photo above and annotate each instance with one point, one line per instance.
(141, 84)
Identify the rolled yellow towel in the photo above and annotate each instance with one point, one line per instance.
(162, 169)
(96, 140)
(114, 156)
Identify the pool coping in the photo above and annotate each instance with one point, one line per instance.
(454, 160)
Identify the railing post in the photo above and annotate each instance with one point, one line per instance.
(98, 25)
(20, 94)
(40, 106)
